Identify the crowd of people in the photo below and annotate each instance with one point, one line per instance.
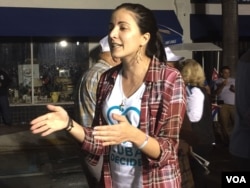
(142, 110)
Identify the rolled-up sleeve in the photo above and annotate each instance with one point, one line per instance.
(169, 115)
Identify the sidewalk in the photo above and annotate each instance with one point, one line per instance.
(29, 160)
(32, 161)
(19, 137)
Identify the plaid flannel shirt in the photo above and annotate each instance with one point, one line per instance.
(163, 107)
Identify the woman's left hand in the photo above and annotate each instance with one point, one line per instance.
(114, 134)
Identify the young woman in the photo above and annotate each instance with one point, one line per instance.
(139, 110)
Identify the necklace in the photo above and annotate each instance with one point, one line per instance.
(121, 106)
(130, 93)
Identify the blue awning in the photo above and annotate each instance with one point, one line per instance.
(39, 22)
(210, 26)
(218, 1)
(48, 22)
(169, 26)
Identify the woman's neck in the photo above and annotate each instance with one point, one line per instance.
(134, 70)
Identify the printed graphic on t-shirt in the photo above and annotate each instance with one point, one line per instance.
(125, 158)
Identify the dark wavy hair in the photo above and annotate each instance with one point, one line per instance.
(146, 22)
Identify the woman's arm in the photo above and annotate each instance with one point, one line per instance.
(56, 120)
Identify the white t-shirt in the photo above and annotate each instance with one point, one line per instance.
(195, 103)
(125, 158)
(226, 95)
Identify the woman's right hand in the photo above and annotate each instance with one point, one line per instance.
(51, 122)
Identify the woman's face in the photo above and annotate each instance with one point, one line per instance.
(124, 35)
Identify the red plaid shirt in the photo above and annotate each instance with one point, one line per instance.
(162, 111)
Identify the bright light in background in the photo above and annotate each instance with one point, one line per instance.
(63, 43)
(77, 43)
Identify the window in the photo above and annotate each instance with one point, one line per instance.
(41, 66)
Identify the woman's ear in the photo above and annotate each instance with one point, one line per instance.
(145, 39)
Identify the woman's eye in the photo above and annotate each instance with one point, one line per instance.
(123, 28)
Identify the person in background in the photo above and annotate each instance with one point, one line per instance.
(225, 90)
(186, 135)
(199, 113)
(139, 108)
(86, 102)
(240, 138)
(5, 112)
(86, 98)
(177, 62)
(173, 60)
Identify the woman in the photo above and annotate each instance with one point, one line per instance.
(198, 101)
(143, 100)
(199, 113)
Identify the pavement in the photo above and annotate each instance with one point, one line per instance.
(32, 161)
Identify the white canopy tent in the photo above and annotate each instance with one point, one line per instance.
(199, 47)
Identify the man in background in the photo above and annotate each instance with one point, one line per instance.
(240, 139)
(86, 96)
(174, 60)
(86, 101)
(225, 90)
(5, 81)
